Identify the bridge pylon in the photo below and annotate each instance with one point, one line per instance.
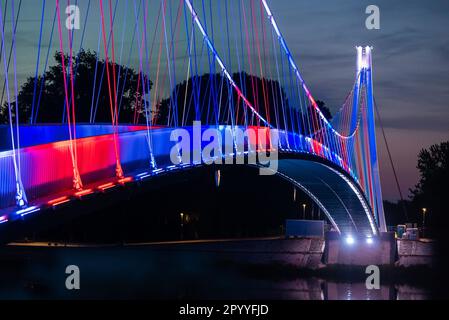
(365, 76)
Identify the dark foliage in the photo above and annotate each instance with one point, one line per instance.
(214, 94)
(51, 100)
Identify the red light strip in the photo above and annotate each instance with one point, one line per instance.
(125, 180)
(58, 201)
(84, 193)
(106, 186)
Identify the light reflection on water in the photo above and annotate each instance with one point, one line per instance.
(318, 289)
(123, 273)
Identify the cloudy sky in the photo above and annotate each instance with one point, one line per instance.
(411, 68)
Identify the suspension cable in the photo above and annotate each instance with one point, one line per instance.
(390, 157)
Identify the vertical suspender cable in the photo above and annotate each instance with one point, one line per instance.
(77, 183)
(21, 199)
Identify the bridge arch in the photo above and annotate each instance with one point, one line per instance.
(337, 195)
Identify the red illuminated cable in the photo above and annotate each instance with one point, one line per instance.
(72, 88)
(113, 64)
(256, 33)
(256, 104)
(76, 177)
(119, 171)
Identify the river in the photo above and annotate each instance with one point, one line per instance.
(146, 272)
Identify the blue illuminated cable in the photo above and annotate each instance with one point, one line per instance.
(193, 78)
(71, 37)
(214, 78)
(171, 108)
(117, 89)
(10, 50)
(211, 71)
(104, 66)
(19, 186)
(145, 82)
(97, 57)
(281, 96)
(129, 59)
(241, 64)
(230, 91)
(175, 88)
(229, 62)
(153, 43)
(16, 84)
(45, 68)
(38, 60)
(21, 198)
(80, 47)
(1, 48)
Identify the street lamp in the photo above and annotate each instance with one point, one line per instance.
(304, 211)
(182, 225)
(424, 211)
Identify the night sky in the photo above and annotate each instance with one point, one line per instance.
(411, 68)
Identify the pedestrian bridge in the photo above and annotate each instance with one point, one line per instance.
(157, 70)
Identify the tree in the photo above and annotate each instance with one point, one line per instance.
(432, 190)
(324, 109)
(52, 100)
(213, 92)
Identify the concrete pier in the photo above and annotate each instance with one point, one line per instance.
(301, 252)
(416, 252)
(381, 251)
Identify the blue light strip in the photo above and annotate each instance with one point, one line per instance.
(27, 211)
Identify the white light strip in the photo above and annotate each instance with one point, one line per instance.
(361, 199)
(311, 195)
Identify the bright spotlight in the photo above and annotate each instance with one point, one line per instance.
(369, 240)
(350, 240)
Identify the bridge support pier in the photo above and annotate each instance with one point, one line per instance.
(360, 251)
